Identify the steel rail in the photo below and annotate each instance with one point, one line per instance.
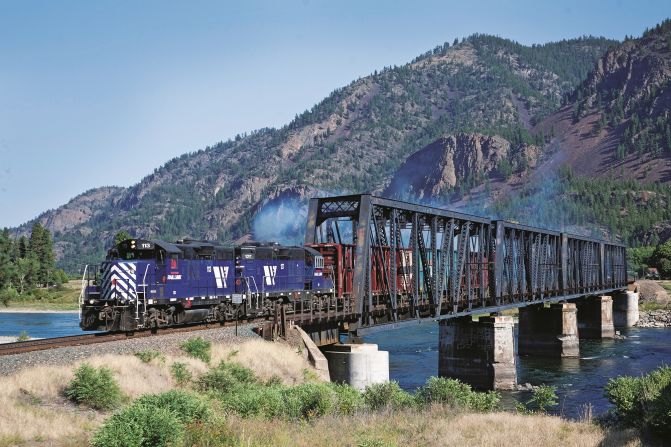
(43, 344)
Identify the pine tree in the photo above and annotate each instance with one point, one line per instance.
(7, 270)
(22, 247)
(40, 248)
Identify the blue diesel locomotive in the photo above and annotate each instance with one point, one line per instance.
(150, 284)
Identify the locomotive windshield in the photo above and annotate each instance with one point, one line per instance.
(135, 249)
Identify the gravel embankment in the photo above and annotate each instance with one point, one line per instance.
(165, 343)
(654, 318)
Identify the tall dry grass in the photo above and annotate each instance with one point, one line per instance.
(33, 409)
(434, 427)
(266, 360)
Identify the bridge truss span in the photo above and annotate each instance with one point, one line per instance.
(400, 261)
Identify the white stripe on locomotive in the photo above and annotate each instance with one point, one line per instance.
(269, 273)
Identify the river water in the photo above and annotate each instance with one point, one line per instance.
(39, 325)
(413, 358)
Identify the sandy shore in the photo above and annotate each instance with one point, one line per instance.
(27, 310)
(7, 339)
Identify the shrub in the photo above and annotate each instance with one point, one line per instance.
(94, 387)
(386, 395)
(543, 397)
(456, 394)
(7, 295)
(309, 400)
(274, 381)
(643, 402)
(23, 336)
(140, 426)
(149, 355)
(198, 348)
(348, 400)
(304, 401)
(153, 420)
(225, 377)
(187, 407)
(180, 373)
(253, 400)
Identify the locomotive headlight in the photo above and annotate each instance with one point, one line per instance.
(92, 301)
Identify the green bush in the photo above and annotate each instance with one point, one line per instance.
(140, 426)
(387, 395)
(309, 400)
(544, 396)
(23, 336)
(153, 420)
(7, 295)
(348, 400)
(253, 400)
(225, 377)
(643, 402)
(456, 394)
(198, 348)
(94, 387)
(180, 372)
(148, 355)
(187, 407)
(306, 401)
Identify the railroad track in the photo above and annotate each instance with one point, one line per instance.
(21, 347)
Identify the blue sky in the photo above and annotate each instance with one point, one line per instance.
(97, 93)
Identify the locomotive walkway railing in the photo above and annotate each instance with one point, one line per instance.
(413, 261)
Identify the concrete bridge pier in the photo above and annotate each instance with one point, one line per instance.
(480, 353)
(359, 365)
(595, 317)
(548, 331)
(625, 309)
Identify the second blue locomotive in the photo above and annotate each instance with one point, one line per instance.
(150, 283)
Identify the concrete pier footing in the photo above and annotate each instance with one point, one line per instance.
(359, 365)
(549, 331)
(480, 353)
(595, 317)
(625, 309)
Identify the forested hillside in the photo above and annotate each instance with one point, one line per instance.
(352, 141)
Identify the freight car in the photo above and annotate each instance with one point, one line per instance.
(151, 283)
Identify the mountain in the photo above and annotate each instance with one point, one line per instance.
(617, 122)
(605, 170)
(354, 140)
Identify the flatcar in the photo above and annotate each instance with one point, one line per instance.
(151, 283)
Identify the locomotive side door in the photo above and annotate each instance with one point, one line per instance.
(244, 272)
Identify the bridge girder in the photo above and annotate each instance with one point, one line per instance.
(415, 261)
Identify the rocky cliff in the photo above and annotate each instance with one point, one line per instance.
(456, 160)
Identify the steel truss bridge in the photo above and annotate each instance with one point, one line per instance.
(414, 262)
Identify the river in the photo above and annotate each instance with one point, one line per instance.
(413, 357)
(39, 324)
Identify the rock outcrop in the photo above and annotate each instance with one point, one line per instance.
(654, 318)
(454, 160)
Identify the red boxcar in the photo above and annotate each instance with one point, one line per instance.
(339, 263)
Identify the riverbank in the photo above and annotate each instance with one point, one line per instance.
(63, 298)
(36, 412)
(32, 310)
(654, 318)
